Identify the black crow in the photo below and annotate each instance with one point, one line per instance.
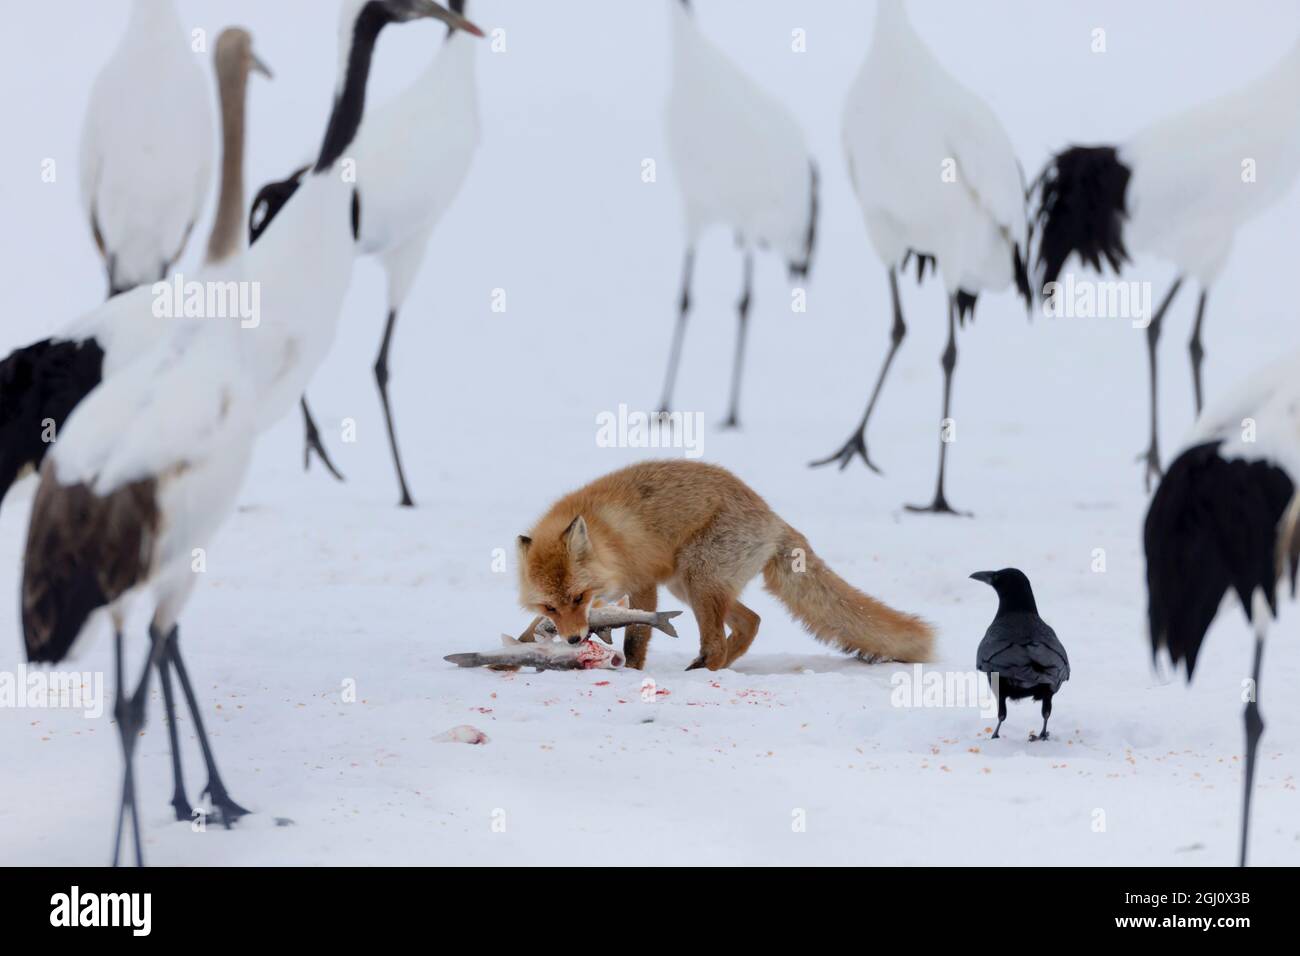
(1020, 648)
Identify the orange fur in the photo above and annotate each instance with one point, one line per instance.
(702, 532)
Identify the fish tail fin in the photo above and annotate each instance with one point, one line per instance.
(663, 621)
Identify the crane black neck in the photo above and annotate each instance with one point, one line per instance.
(457, 7)
(350, 103)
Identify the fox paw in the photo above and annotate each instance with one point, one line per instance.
(713, 662)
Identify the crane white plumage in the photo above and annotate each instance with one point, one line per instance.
(1226, 517)
(412, 157)
(741, 161)
(149, 464)
(937, 180)
(42, 382)
(1177, 190)
(146, 148)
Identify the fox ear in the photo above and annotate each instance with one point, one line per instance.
(523, 542)
(575, 537)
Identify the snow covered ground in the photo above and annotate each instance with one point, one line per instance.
(796, 755)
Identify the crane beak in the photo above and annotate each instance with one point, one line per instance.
(258, 66)
(454, 20)
(985, 576)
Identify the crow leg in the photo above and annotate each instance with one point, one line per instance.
(1002, 712)
(1047, 712)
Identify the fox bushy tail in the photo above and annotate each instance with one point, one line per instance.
(837, 613)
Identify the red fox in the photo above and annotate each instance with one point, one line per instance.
(705, 534)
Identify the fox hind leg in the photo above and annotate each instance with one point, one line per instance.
(711, 608)
(744, 628)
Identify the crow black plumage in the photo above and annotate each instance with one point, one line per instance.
(1020, 648)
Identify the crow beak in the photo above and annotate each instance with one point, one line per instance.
(985, 576)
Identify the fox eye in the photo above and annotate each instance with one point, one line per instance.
(548, 609)
(577, 600)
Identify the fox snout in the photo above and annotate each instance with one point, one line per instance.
(571, 624)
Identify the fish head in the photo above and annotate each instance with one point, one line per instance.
(594, 654)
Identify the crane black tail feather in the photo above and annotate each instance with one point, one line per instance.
(1212, 525)
(40, 385)
(1082, 206)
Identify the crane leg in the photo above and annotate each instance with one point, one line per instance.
(313, 443)
(1254, 730)
(226, 809)
(1152, 455)
(381, 379)
(130, 713)
(679, 332)
(179, 801)
(857, 443)
(742, 312)
(1198, 352)
(949, 361)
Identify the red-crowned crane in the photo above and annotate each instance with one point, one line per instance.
(937, 181)
(41, 383)
(1225, 518)
(146, 148)
(1177, 190)
(412, 157)
(150, 463)
(742, 162)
